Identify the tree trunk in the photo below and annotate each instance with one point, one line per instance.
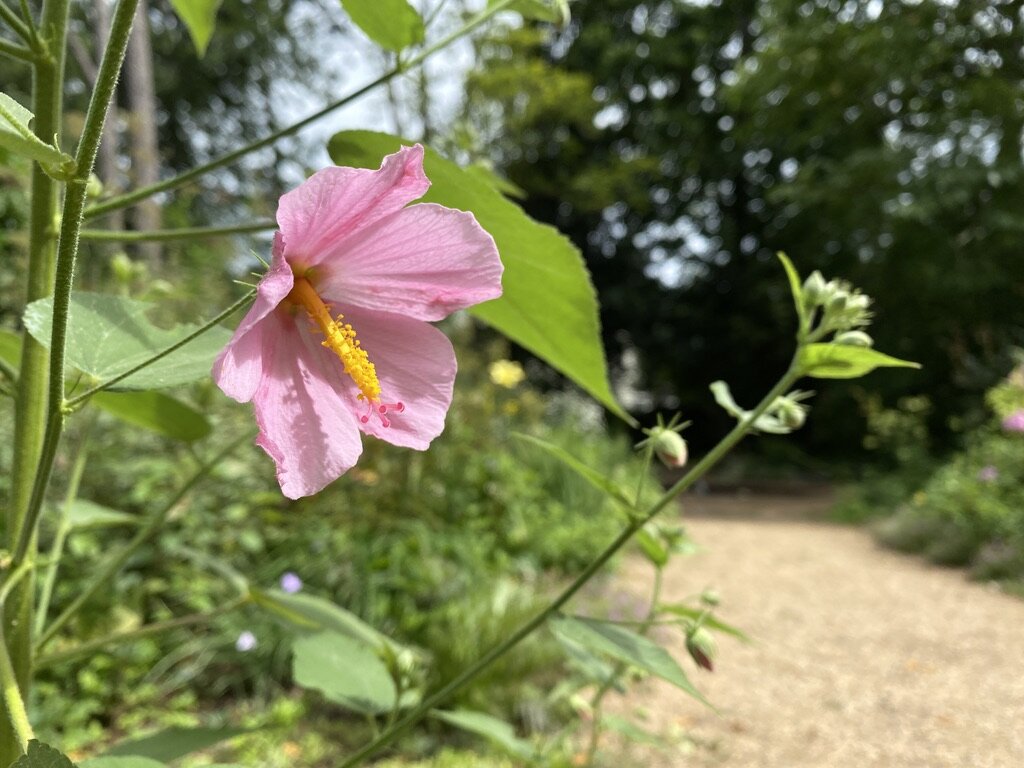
(142, 128)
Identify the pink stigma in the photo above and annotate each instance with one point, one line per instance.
(380, 411)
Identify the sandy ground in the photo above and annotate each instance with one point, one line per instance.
(862, 658)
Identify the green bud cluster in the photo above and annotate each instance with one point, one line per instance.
(838, 307)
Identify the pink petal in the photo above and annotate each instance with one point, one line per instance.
(425, 261)
(239, 366)
(335, 203)
(416, 366)
(306, 426)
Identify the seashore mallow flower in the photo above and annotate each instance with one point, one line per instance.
(339, 340)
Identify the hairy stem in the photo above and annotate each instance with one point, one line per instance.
(713, 457)
(30, 410)
(13, 701)
(166, 235)
(130, 198)
(67, 252)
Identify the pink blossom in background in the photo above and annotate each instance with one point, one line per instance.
(988, 474)
(338, 340)
(1014, 422)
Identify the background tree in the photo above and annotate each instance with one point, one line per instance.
(880, 141)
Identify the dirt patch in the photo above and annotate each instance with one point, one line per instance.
(861, 657)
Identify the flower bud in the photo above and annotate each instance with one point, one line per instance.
(701, 647)
(837, 303)
(710, 597)
(94, 187)
(669, 446)
(814, 289)
(854, 339)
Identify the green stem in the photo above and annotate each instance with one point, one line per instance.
(67, 252)
(13, 701)
(166, 235)
(112, 565)
(736, 434)
(130, 198)
(156, 628)
(16, 51)
(30, 411)
(77, 399)
(57, 550)
(595, 702)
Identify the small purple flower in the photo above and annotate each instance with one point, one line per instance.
(291, 583)
(1015, 421)
(988, 474)
(246, 641)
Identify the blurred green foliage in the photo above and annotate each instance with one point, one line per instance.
(681, 144)
(966, 511)
(448, 550)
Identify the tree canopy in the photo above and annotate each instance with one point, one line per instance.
(682, 144)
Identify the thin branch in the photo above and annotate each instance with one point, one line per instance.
(17, 25)
(113, 565)
(147, 630)
(70, 404)
(130, 198)
(16, 51)
(166, 235)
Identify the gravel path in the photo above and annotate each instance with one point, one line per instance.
(862, 658)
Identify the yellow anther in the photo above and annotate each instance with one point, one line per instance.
(340, 338)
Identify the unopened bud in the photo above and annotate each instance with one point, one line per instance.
(814, 288)
(701, 647)
(837, 303)
(710, 597)
(94, 187)
(858, 302)
(669, 446)
(854, 339)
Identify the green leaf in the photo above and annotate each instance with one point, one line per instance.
(392, 24)
(172, 743)
(718, 625)
(108, 335)
(345, 670)
(199, 17)
(624, 645)
(41, 755)
(495, 730)
(840, 361)
(795, 287)
(157, 412)
(593, 668)
(133, 761)
(85, 514)
(596, 478)
(548, 305)
(314, 614)
(16, 136)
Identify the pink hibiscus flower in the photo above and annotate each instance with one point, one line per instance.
(339, 339)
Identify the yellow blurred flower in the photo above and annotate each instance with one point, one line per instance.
(920, 498)
(506, 373)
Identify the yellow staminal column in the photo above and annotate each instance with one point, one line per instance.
(340, 338)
